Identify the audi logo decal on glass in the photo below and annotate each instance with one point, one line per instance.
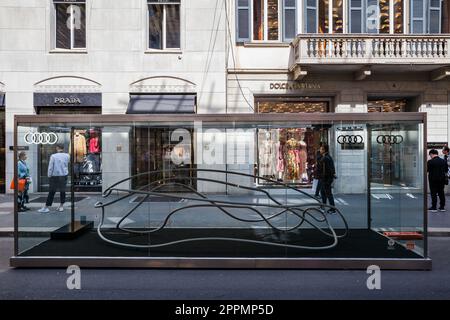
(348, 139)
(389, 139)
(40, 138)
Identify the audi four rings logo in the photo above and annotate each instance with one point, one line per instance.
(347, 139)
(389, 139)
(41, 138)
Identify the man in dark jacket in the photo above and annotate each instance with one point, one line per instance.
(437, 169)
(327, 174)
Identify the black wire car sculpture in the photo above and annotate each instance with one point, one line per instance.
(310, 213)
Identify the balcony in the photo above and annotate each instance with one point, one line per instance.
(425, 52)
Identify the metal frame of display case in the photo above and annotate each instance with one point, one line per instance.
(178, 262)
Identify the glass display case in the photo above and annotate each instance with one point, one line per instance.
(204, 191)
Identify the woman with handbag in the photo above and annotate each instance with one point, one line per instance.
(24, 180)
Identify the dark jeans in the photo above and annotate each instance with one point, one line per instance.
(319, 187)
(437, 189)
(56, 184)
(326, 192)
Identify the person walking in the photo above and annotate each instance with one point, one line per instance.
(58, 170)
(316, 172)
(437, 170)
(327, 174)
(23, 172)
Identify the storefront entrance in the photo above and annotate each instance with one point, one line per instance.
(158, 152)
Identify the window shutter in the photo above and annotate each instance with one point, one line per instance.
(435, 16)
(311, 15)
(418, 16)
(356, 16)
(243, 21)
(289, 20)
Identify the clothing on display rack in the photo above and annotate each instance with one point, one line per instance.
(79, 146)
(94, 142)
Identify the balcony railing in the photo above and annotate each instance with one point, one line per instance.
(371, 49)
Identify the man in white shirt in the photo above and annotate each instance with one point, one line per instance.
(58, 170)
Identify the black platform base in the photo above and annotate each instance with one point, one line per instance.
(71, 231)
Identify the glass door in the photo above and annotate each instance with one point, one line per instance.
(396, 183)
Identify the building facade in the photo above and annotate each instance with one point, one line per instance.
(218, 56)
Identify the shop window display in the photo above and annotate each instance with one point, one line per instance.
(87, 159)
(288, 155)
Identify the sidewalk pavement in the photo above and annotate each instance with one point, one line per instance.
(438, 223)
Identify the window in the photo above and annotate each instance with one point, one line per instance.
(164, 24)
(266, 20)
(426, 16)
(374, 16)
(70, 24)
(317, 16)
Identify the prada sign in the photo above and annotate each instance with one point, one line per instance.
(67, 99)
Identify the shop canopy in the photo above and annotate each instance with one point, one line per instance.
(161, 103)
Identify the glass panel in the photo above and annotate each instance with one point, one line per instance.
(63, 34)
(396, 186)
(243, 32)
(272, 19)
(435, 20)
(214, 189)
(289, 21)
(172, 26)
(384, 16)
(311, 21)
(2, 151)
(417, 26)
(356, 21)
(258, 19)
(372, 16)
(155, 12)
(323, 16)
(79, 17)
(398, 16)
(338, 18)
(418, 7)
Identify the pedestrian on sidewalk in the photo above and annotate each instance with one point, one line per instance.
(23, 172)
(316, 172)
(327, 174)
(58, 170)
(437, 170)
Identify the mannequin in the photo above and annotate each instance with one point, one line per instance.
(292, 168)
(267, 154)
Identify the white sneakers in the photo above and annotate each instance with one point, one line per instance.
(47, 210)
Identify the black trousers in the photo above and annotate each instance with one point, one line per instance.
(326, 192)
(319, 187)
(437, 189)
(56, 184)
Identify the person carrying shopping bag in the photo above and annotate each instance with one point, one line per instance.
(24, 180)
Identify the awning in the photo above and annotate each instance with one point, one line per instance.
(2, 100)
(161, 103)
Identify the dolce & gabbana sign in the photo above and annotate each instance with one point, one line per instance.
(293, 85)
(67, 99)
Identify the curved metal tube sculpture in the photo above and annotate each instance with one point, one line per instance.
(305, 213)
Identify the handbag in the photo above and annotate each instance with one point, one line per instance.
(21, 187)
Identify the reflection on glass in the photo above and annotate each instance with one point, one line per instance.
(258, 19)
(338, 18)
(79, 33)
(155, 26)
(2, 151)
(323, 16)
(272, 19)
(63, 34)
(173, 26)
(398, 16)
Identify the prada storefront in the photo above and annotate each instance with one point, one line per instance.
(234, 194)
(84, 142)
